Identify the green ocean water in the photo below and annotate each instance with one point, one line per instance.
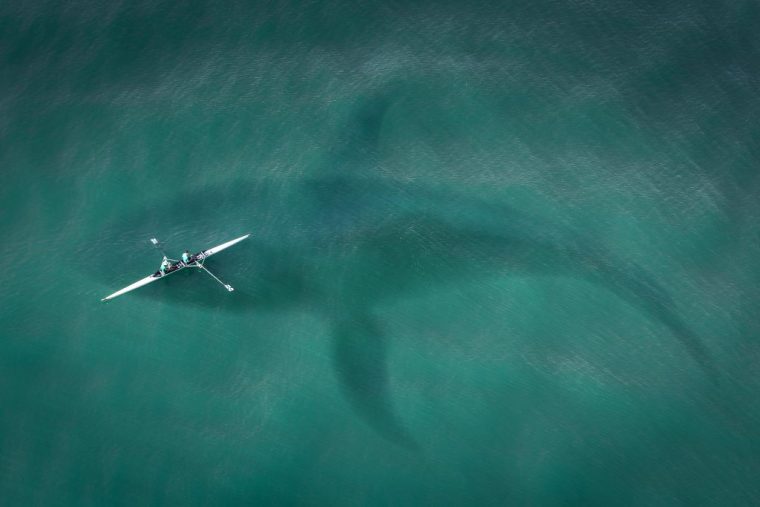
(502, 253)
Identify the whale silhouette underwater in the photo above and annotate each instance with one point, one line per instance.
(339, 245)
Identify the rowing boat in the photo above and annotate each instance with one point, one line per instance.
(195, 261)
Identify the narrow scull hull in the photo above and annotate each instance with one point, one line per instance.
(194, 260)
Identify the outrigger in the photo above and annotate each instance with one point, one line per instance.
(194, 261)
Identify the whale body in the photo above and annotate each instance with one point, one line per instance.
(338, 246)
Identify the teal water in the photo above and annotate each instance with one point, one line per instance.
(501, 253)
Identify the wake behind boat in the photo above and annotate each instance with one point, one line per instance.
(191, 261)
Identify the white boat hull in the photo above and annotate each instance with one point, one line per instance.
(199, 257)
(223, 246)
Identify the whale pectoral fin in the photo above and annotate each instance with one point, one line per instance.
(359, 356)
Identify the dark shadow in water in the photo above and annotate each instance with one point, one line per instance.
(386, 242)
(379, 240)
(419, 248)
(360, 362)
(364, 131)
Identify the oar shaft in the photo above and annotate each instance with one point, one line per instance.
(157, 244)
(225, 285)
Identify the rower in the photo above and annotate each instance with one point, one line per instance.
(186, 257)
(165, 265)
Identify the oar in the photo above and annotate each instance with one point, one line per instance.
(157, 244)
(226, 286)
